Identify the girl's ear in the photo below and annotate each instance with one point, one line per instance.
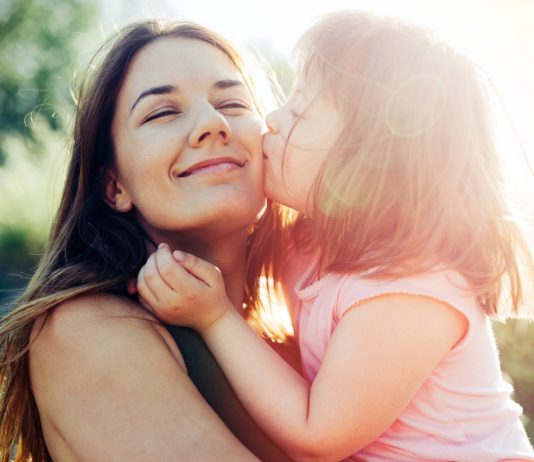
(115, 194)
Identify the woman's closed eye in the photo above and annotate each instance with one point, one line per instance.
(163, 112)
(233, 107)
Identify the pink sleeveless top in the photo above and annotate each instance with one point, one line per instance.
(462, 412)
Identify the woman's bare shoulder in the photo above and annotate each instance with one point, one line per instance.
(95, 310)
(102, 370)
(96, 331)
(95, 322)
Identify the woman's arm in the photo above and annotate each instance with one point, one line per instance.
(111, 385)
(378, 357)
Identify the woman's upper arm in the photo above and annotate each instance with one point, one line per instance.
(109, 387)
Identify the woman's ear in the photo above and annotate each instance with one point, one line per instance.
(115, 194)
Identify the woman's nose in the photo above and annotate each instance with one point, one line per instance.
(211, 125)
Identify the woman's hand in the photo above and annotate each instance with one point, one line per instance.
(182, 289)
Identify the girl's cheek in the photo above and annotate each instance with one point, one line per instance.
(279, 146)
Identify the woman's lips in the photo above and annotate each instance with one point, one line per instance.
(211, 166)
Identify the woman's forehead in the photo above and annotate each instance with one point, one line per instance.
(178, 62)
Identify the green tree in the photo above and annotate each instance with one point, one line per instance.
(516, 348)
(39, 44)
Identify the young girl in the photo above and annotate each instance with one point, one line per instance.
(402, 248)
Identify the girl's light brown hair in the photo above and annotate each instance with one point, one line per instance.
(414, 180)
(91, 248)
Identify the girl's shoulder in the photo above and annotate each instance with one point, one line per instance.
(441, 284)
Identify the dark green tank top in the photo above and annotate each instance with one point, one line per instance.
(209, 379)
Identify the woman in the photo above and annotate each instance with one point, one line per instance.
(166, 148)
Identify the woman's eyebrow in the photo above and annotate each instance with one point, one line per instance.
(227, 83)
(166, 89)
(161, 90)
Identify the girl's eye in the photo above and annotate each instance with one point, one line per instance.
(163, 113)
(295, 114)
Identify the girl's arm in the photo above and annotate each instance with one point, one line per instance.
(110, 384)
(378, 357)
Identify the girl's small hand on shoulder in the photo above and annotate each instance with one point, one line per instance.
(182, 289)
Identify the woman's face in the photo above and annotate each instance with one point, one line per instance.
(187, 141)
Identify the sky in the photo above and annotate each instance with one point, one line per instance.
(497, 34)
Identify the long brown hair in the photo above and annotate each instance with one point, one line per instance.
(414, 180)
(91, 248)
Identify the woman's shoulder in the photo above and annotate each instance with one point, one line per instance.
(90, 326)
(104, 370)
(93, 308)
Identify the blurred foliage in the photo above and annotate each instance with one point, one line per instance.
(39, 43)
(29, 188)
(18, 257)
(516, 347)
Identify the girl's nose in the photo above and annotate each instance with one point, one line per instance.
(272, 122)
(211, 125)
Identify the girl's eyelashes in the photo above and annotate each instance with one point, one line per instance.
(295, 114)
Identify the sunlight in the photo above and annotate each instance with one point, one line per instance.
(493, 33)
(274, 318)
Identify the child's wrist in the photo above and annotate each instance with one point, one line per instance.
(215, 323)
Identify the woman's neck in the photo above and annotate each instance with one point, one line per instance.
(227, 252)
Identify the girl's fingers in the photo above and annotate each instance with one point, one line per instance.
(174, 274)
(201, 269)
(147, 305)
(131, 286)
(154, 279)
(145, 293)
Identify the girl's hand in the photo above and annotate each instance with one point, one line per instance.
(182, 289)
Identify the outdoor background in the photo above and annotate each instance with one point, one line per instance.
(46, 44)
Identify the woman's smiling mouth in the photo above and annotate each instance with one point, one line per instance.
(212, 166)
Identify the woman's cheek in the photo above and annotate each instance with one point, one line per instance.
(249, 130)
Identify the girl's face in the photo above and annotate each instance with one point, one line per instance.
(187, 142)
(301, 133)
